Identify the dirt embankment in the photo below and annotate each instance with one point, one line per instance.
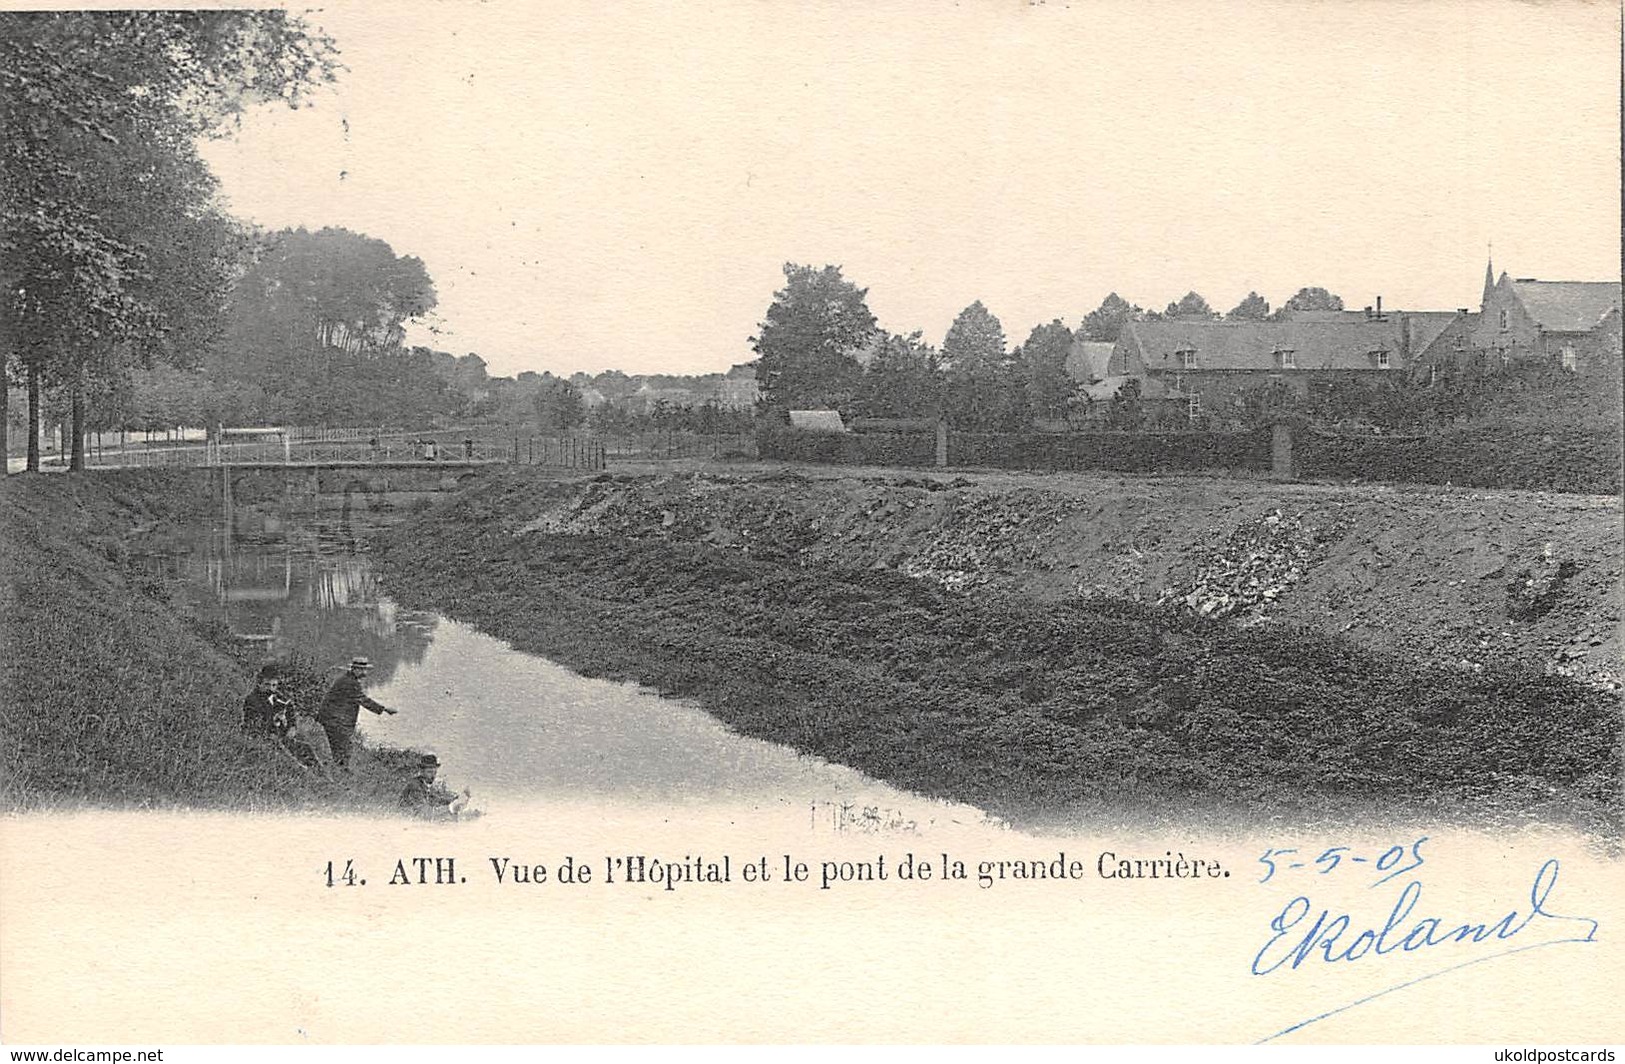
(1459, 578)
(947, 636)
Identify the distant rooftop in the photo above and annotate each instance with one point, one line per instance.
(1253, 344)
(1567, 306)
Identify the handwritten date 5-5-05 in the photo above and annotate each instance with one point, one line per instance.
(1396, 860)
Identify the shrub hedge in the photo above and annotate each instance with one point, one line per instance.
(1123, 452)
(1535, 457)
(1538, 458)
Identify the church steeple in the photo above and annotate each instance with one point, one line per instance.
(1489, 281)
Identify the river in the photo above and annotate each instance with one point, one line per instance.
(516, 729)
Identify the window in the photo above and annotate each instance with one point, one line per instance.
(1287, 357)
(1506, 320)
(1382, 360)
(1186, 357)
(1195, 405)
(1569, 363)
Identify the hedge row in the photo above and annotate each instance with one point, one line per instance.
(848, 448)
(1118, 452)
(1572, 458)
(1536, 458)
(1124, 452)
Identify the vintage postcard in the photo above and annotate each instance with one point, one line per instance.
(1030, 523)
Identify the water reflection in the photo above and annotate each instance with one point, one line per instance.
(312, 595)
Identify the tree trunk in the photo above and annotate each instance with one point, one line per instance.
(5, 405)
(33, 419)
(76, 463)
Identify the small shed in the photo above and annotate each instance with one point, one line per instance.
(817, 420)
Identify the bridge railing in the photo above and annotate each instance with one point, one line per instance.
(301, 444)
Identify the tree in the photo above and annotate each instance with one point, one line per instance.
(1125, 411)
(903, 381)
(1253, 308)
(1103, 324)
(319, 320)
(99, 112)
(1050, 388)
(986, 386)
(1311, 299)
(1191, 305)
(809, 338)
(558, 405)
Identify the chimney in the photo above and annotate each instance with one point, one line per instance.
(1368, 312)
(1379, 308)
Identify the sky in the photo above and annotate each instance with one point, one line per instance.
(619, 186)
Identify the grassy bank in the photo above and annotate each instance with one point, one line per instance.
(109, 695)
(1014, 704)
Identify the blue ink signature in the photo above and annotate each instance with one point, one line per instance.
(1291, 946)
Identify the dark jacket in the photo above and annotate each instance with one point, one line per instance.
(343, 701)
(419, 794)
(267, 713)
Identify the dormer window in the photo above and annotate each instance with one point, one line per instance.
(1286, 358)
(1185, 357)
(1382, 360)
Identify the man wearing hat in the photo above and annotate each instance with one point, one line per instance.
(342, 705)
(266, 712)
(423, 797)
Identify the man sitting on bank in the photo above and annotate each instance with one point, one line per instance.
(266, 712)
(422, 796)
(342, 705)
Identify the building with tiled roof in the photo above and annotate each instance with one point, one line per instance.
(1573, 325)
(1210, 362)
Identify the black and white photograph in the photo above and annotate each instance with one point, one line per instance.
(1015, 523)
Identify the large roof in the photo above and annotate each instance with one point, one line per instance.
(1087, 359)
(1252, 345)
(1567, 306)
(1426, 326)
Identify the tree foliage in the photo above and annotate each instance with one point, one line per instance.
(110, 247)
(986, 385)
(1124, 410)
(1252, 308)
(1191, 305)
(1104, 323)
(558, 405)
(1050, 388)
(904, 380)
(1312, 299)
(808, 341)
(318, 323)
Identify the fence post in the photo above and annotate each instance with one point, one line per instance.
(1281, 451)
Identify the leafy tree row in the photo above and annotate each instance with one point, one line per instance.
(115, 253)
(819, 347)
(1105, 323)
